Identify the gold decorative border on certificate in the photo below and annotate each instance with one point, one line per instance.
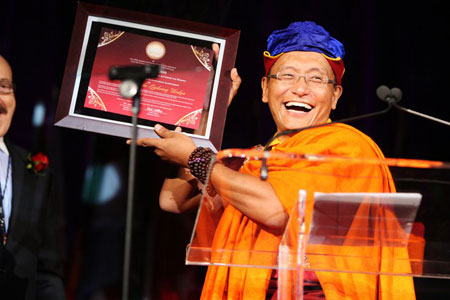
(189, 119)
(202, 56)
(95, 100)
(109, 37)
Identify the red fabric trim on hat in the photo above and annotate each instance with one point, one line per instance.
(268, 63)
(338, 69)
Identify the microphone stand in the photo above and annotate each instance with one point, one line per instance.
(264, 169)
(421, 114)
(132, 79)
(350, 119)
(391, 96)
(130, 197)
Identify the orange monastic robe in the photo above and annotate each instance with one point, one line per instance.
(287, 177)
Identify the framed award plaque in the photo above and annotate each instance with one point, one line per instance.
(191, 90)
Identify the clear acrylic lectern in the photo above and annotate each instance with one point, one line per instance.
(342, 229)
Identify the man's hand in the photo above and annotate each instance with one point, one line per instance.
(173, 146)
(236, 82)
(235, 78)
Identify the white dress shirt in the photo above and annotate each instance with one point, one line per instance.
(7, 197)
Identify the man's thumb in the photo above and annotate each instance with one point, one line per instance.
(162, 131)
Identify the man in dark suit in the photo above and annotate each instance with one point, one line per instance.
(30, 265)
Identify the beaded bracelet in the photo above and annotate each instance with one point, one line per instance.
(199, 162)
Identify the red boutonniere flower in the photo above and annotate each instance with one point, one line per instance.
(37, 163)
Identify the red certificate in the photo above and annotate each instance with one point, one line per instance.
(191, 90)
(177, 96)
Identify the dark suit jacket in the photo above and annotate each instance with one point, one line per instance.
(30, 265)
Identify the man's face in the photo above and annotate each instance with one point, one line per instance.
(8, 101)
(299, 105)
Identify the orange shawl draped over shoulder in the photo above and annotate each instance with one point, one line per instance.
(287, 177)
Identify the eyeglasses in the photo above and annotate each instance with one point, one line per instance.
(7, 87)
(312, 79)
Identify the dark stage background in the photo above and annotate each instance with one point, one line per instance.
(401, 45)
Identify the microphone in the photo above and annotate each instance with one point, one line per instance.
(389, 95)
(397, 94)
(138, 73)
(128, 88)
(132, 78)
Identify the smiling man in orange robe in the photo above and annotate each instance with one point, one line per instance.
(302, 85)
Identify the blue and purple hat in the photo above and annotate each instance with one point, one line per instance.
(305, 36)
